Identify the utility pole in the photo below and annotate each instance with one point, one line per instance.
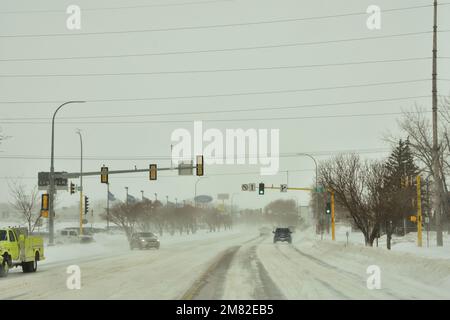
(126, 188)
(436, 166)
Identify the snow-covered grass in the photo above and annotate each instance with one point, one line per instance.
(407, 271)
(407, 243)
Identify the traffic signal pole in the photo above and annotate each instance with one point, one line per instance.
(333, 217)
(419, 212)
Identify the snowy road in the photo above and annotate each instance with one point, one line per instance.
(232, 265)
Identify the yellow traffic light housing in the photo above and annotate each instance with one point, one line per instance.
(153, 172)
(104, 178)
(200, 166)
(45, 205)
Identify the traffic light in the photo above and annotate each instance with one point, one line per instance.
(45, 205)
(86, 205)
(328, 208)
(72, 188)
(153, 172)
(104, 175)
(261, 189)
(200, 166)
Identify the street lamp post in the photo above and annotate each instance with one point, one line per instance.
(81, 183)
(52, 191)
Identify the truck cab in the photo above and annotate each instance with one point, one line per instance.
(17, 248)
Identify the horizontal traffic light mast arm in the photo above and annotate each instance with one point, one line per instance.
(97, 173)
(297, 189)
(293, 189)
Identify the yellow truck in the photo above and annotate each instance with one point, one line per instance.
(17, 248)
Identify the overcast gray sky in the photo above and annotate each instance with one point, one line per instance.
(123, 141)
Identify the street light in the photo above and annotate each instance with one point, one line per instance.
(81, 182)
(51, 229)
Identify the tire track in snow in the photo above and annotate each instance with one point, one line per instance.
(324, 283)
(211, 285)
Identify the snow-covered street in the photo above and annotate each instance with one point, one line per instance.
(237, 264)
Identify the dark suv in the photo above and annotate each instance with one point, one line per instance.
(144, 240)
(282, 234)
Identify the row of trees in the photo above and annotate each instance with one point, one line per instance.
(277, 213)
(153, 216)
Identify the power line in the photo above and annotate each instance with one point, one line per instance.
(118, 8)
(167, 158)
(215, 26)
(212, 70)
(360, 115)
(228, 94)
(306, 106)
(260, 47)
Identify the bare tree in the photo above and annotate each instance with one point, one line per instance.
(418, 128)
(25, 203)
(126, 216)
(352, 181)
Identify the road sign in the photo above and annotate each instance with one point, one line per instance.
(252, 187)
(186, 169)
(60, 182)
(223, 196)
(284, 188)
(245, 187)
(85, 221)
(203, 199)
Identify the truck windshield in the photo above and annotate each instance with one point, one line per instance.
(2, 235)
